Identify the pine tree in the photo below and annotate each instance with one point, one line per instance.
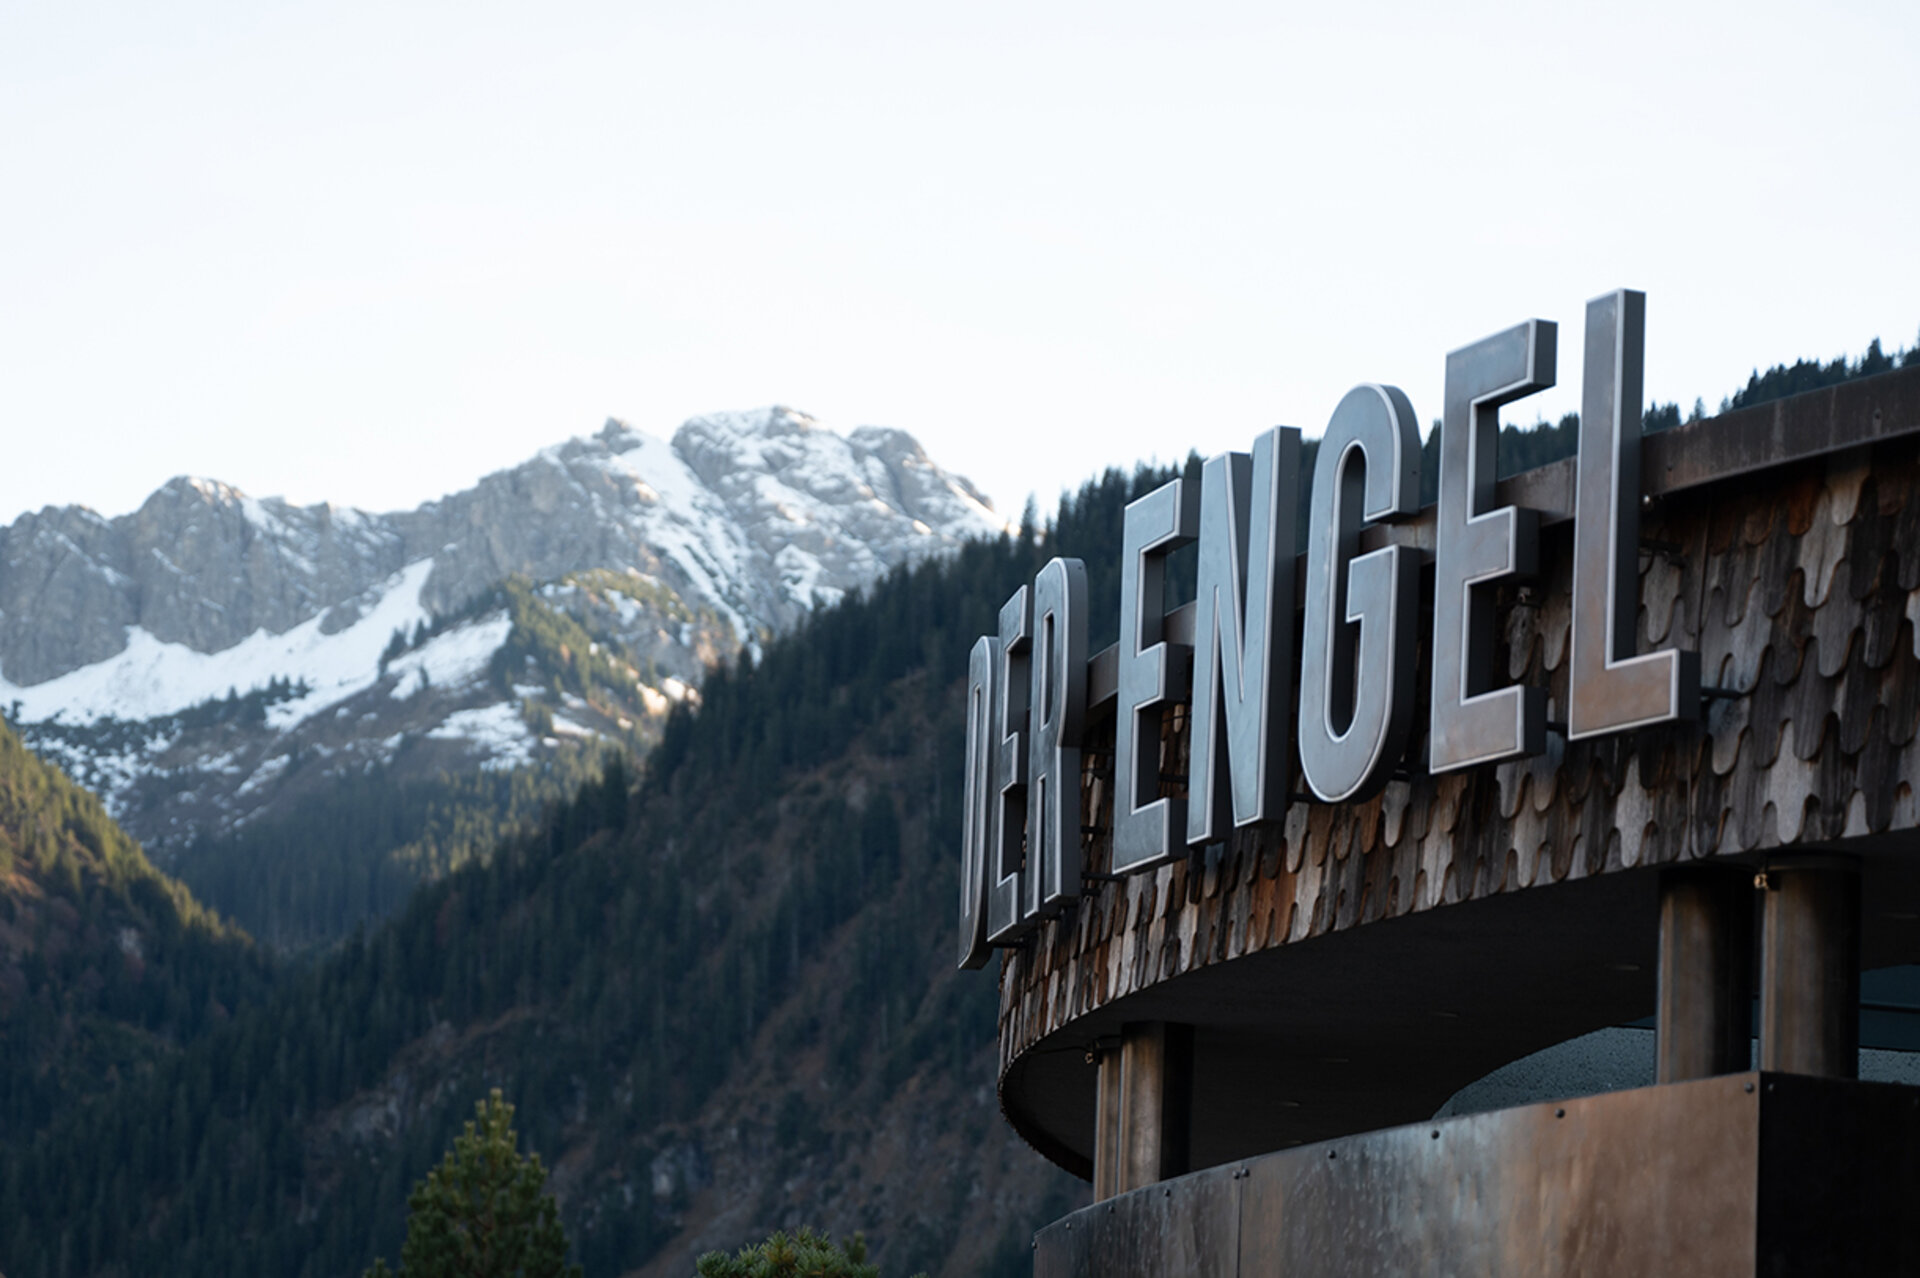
(483, 1212)
(804, 1255)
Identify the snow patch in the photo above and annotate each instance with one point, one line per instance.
(264, 774)
(496, 729)
(452, 659)
(565, 727)
(150, 678)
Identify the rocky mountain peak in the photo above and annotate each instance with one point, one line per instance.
(668, 555)
(192, 489)
(618, 437)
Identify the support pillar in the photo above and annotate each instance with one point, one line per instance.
(1810, 967)
(1106, 1122)
(1704, 1020)
(1143, 1113)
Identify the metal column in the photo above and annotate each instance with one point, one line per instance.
(1143, 1114)
(1106, 1122)
(1704, 1018)
(1810, 967)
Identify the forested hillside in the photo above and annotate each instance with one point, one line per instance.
(107, 967)
(351, 854)
(721, 999)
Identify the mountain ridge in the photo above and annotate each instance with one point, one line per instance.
(712, 513)
(132, 649)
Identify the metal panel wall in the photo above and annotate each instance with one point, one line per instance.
(1744, 1175)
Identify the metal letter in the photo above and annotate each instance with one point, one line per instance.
(1356, 669)
(1608, 688)
(978, 798)
(1475, 546)
(1059, 709)
(1243, 639)
(1145, 828)
(1007, 849)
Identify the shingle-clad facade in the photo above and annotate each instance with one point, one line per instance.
(1782, 543)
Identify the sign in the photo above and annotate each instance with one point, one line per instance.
(1026, 684)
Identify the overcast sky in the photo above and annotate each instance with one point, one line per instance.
(368, 252)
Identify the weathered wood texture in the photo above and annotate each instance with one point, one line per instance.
(1800, 586)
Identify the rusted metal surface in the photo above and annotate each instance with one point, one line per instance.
(1108, 1169)
(1800, 587)
(1145, 1106)
(1704, 1019)
(1810, 967)
(1775, 1175)
(1839, 1174)
(1186, 1226)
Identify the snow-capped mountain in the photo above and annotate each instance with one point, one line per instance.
(348, 636)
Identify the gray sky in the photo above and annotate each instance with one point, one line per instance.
(369, 252)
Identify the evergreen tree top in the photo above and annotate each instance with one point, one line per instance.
(484, 1211)
(802, 1255)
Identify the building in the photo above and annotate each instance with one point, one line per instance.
(1244, 1047)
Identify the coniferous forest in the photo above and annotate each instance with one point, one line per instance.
(771, 893)
(716, 985)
